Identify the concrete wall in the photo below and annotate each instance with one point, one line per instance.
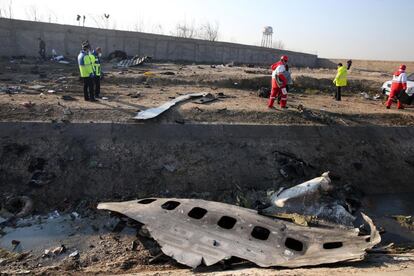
(18, 37)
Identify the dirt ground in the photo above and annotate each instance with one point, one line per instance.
(136, 89)
(108, 245)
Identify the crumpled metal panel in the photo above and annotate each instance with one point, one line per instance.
(154, 112)
(192, 238)
(136, 61)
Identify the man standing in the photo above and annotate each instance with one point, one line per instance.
(42, 49)
(85, 62)
(97, 55)
(399, 85)
(279, 83)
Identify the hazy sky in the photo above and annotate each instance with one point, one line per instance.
(365, 29)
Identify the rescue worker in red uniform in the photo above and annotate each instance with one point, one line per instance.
(279, 83)
(399, 85)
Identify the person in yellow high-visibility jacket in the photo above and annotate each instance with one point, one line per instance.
(87, 72)
(341, 79)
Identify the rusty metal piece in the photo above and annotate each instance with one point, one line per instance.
(197, 231)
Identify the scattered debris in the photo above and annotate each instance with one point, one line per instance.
(51, 91)
(18, 207)
(134, 95)
(264, 92)
(154, 112)
(36, 87)
(28, 104)
(365, 96)
(74, 255)
(68, 98)
(307, 189)
(67, 111)
(10, 89)
(135, 61)
(196, 231)
(406, 221)
(50, 253)
(303, 203)
(168, 73)
(208, 98)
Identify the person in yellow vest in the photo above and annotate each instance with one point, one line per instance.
(341, 79)
(97, 56)
(87, 72)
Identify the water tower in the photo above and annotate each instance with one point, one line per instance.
(267, 38)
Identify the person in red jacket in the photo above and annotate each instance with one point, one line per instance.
(279, 83)
(399, 85)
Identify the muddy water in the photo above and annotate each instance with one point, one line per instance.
(383, 207)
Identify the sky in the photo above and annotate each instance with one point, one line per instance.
(357, 29)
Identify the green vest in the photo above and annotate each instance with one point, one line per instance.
(96, 65)
(85, 62)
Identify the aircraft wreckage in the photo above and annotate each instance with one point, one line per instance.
(194, 232)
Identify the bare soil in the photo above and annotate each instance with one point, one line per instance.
(105, 247)
(136, 89)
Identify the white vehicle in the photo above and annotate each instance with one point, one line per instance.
(405, 98)
(386, 87)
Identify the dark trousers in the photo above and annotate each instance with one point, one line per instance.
(88, 89)
(338, 95)
(97, 86)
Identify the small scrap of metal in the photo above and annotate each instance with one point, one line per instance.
(11, 89)
(206, 99)
(68, 98)
(135, 61)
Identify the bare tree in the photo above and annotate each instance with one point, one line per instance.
(101, 21)
(52, 17)
(139, 25)
(158, 29)
(185, 30)
(7, 11)
(279, 44)
(210, 31)
(32, 13)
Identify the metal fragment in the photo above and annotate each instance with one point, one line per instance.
(196, 232)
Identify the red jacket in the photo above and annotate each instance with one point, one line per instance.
(399, 81)
(278, 70)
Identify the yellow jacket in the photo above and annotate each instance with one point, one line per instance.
(341, 77)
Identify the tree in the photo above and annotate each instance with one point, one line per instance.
(139, 25)
(210, 31)
(101, 21)
(185, 30)
(7, 10)
(32, 13)
(279, 44)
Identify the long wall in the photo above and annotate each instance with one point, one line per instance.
(18, 37)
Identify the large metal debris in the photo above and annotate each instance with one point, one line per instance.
(135, 61)
(305, 199)
(194, 232)
(308, 188)
(154, 112)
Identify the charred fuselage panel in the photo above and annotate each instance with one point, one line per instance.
(197, 231)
